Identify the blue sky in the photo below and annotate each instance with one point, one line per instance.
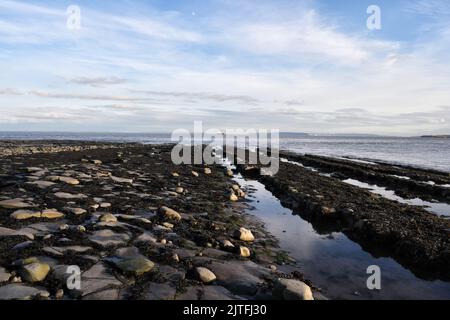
(155, 66)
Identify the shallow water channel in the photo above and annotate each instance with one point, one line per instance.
(333, 262)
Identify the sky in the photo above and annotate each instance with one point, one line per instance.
(155, 66)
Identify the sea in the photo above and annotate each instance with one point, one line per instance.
(430, 153)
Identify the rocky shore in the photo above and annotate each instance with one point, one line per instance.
(135, 226)
(313, 187)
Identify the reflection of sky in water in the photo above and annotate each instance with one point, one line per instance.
(335, 263)
(437, 208)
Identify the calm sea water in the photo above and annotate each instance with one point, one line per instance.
(420, 152)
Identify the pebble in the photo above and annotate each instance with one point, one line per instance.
(108, 218)
(170, 213)
(233, 197)
(205, 275)
(179, 190)
(244, 235)
(34, 272)
(122, 180)
(64, 227)
(244, 252)
(226, 244)
(77, 211)
(208, 171)
(195, 174)
(59, 294)
(69, 180)
(229, 173)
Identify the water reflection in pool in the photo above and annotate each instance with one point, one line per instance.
(334, 262)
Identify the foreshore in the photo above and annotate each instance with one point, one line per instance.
(136, 225)
(140, 227)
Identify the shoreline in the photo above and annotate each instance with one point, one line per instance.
(137, 226)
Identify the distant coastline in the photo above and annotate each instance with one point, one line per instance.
(444, 136)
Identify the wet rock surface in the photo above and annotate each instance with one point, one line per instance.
(132, 227)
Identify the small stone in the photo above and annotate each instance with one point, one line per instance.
(105, 205)
(176, 258)
(273, 268)
(168, 225)
(226, 244)
(164, 241)
(97, 162)
(290, 289)
(328, 211)
(51, 214)
(233, 197)
(69, 180)
(64, 227)
(229, 173)
(205, 275)
(35, 272)
(122, 180)
(245, 252)
(64, 195)
(195, 174)
(77, 211)
(14, 204)
(208, 171)
(108, 218)
(244, 235)
(170, 214)
(81, 229)
(175, 174)
(59, 294)
(179, 190)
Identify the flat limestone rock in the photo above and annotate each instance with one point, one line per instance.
(108, 238)
(15, 204)
(69, 196)
(5, 232)
(130, 261)
(98, 278)
(105, 295)
(42, 184)
(16, 291)
(159, 292)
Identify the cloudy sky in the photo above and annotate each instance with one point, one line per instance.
(155, 66)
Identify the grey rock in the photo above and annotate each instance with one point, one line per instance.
(291, 289)
(17, 291)
(108, 238)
